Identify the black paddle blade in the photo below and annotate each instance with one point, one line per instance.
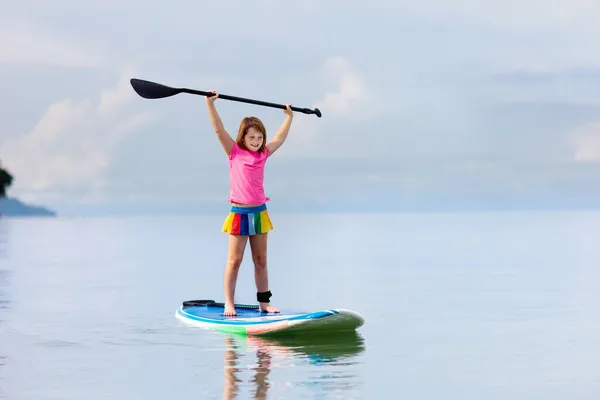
(152, 90)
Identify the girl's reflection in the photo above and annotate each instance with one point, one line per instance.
(261, 371)
(231, 362)
(263, 367)
(318, 350)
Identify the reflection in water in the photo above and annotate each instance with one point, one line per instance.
(262, 370)
(322, 351)
(231, 369)
(4, 271)
(4, 301)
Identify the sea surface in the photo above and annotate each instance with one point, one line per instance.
(463, 306)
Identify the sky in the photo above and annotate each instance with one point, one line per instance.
(426, 104)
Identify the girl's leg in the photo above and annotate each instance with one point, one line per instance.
(234, 260)
(258, 245)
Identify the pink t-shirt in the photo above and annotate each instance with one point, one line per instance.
(246, 176)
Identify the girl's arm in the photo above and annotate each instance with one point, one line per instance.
(281, 135)
(215, 120)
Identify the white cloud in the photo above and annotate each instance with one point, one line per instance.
(586, 143)
(350, 100)
(71, 145)
(23, 42)
(351, 91)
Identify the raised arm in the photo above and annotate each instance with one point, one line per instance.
(215, 120)
(282, 134)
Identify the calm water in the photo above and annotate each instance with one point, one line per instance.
(458, 306)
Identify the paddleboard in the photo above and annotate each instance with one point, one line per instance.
(251, 321)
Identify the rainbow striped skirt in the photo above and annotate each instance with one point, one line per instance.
(247, 221)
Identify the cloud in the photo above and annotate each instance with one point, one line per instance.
(71, 145)
(350, 93)
(586, 143)
(23, 42)
(348, 101)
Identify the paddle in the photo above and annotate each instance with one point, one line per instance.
(212, 303)
(153, 90)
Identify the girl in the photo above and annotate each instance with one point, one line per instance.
(248, 218)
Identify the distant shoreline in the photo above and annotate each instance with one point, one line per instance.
(10, 207)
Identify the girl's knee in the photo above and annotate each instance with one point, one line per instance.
(260, 260)
(234, 262)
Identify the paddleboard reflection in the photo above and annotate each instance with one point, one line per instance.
(260, 355)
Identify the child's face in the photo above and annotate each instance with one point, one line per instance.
(253, 139)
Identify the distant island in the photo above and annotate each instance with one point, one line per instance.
(10, 207)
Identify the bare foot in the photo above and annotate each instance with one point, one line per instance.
(266, 307)
(229, 311)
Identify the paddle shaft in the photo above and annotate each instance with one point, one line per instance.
(250, 101)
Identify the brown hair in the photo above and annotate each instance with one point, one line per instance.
(247, 123)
